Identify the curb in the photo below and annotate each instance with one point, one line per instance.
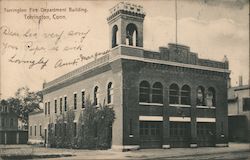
(201, 154)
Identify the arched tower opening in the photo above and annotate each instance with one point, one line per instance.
(131, 35)
(114, 36)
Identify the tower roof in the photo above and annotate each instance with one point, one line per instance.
(125, 6)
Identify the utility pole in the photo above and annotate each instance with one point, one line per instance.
(176, 18)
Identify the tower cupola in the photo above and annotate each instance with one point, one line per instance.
(126, 25)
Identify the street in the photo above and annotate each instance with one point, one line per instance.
(235, 151)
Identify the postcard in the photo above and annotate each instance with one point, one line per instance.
(166, 73)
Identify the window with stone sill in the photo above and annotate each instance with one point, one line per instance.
(40, 130)
(75, 101)
(211, 97)
(48, 108)
(157, 93)
(35, 130)
(110, 93)
(200, 96)
(55, 106)
(144, 92)
(30, 130)
(185, 95)
(61, 105)
(174, 94)
(45, 108)
(65, 103)
(83, 99)
(96, 96)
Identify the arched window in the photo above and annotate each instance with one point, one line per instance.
(114, 36)
(110, 93)
(131, 35)
(174, 94)
(157, 93)
(185, 95)
(200, 96)
(144, 92)
(211, 97)
(96, 95)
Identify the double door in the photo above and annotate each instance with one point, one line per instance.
(150, 134)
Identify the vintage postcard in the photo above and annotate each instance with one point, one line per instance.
(91, 79)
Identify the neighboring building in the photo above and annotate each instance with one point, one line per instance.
(36, 127)
(162, 99)
(239, 119)
(9, 132)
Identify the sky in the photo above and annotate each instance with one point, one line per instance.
(211, 28)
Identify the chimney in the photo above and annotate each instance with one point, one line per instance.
(240, 80)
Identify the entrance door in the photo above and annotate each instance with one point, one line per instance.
(180, 134)
(206, 134)
(150, 134)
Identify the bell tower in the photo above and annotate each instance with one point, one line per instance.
(126, 25)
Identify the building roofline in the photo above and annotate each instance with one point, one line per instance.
(110, 57)
(243, 87)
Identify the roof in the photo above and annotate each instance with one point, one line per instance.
(126, 6)
(243, 87)
(36, 112)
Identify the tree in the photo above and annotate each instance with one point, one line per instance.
(24, 102)
(104, 119)
(87, 135)
(94, 128)
(61, 133)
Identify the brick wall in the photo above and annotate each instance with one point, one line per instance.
(135, 72)
(87, 82)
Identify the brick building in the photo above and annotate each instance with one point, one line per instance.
(162, 99)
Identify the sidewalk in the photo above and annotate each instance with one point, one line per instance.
(110, 154)
(159, 153)
(183, 152)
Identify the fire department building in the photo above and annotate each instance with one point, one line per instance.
(162, 99)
